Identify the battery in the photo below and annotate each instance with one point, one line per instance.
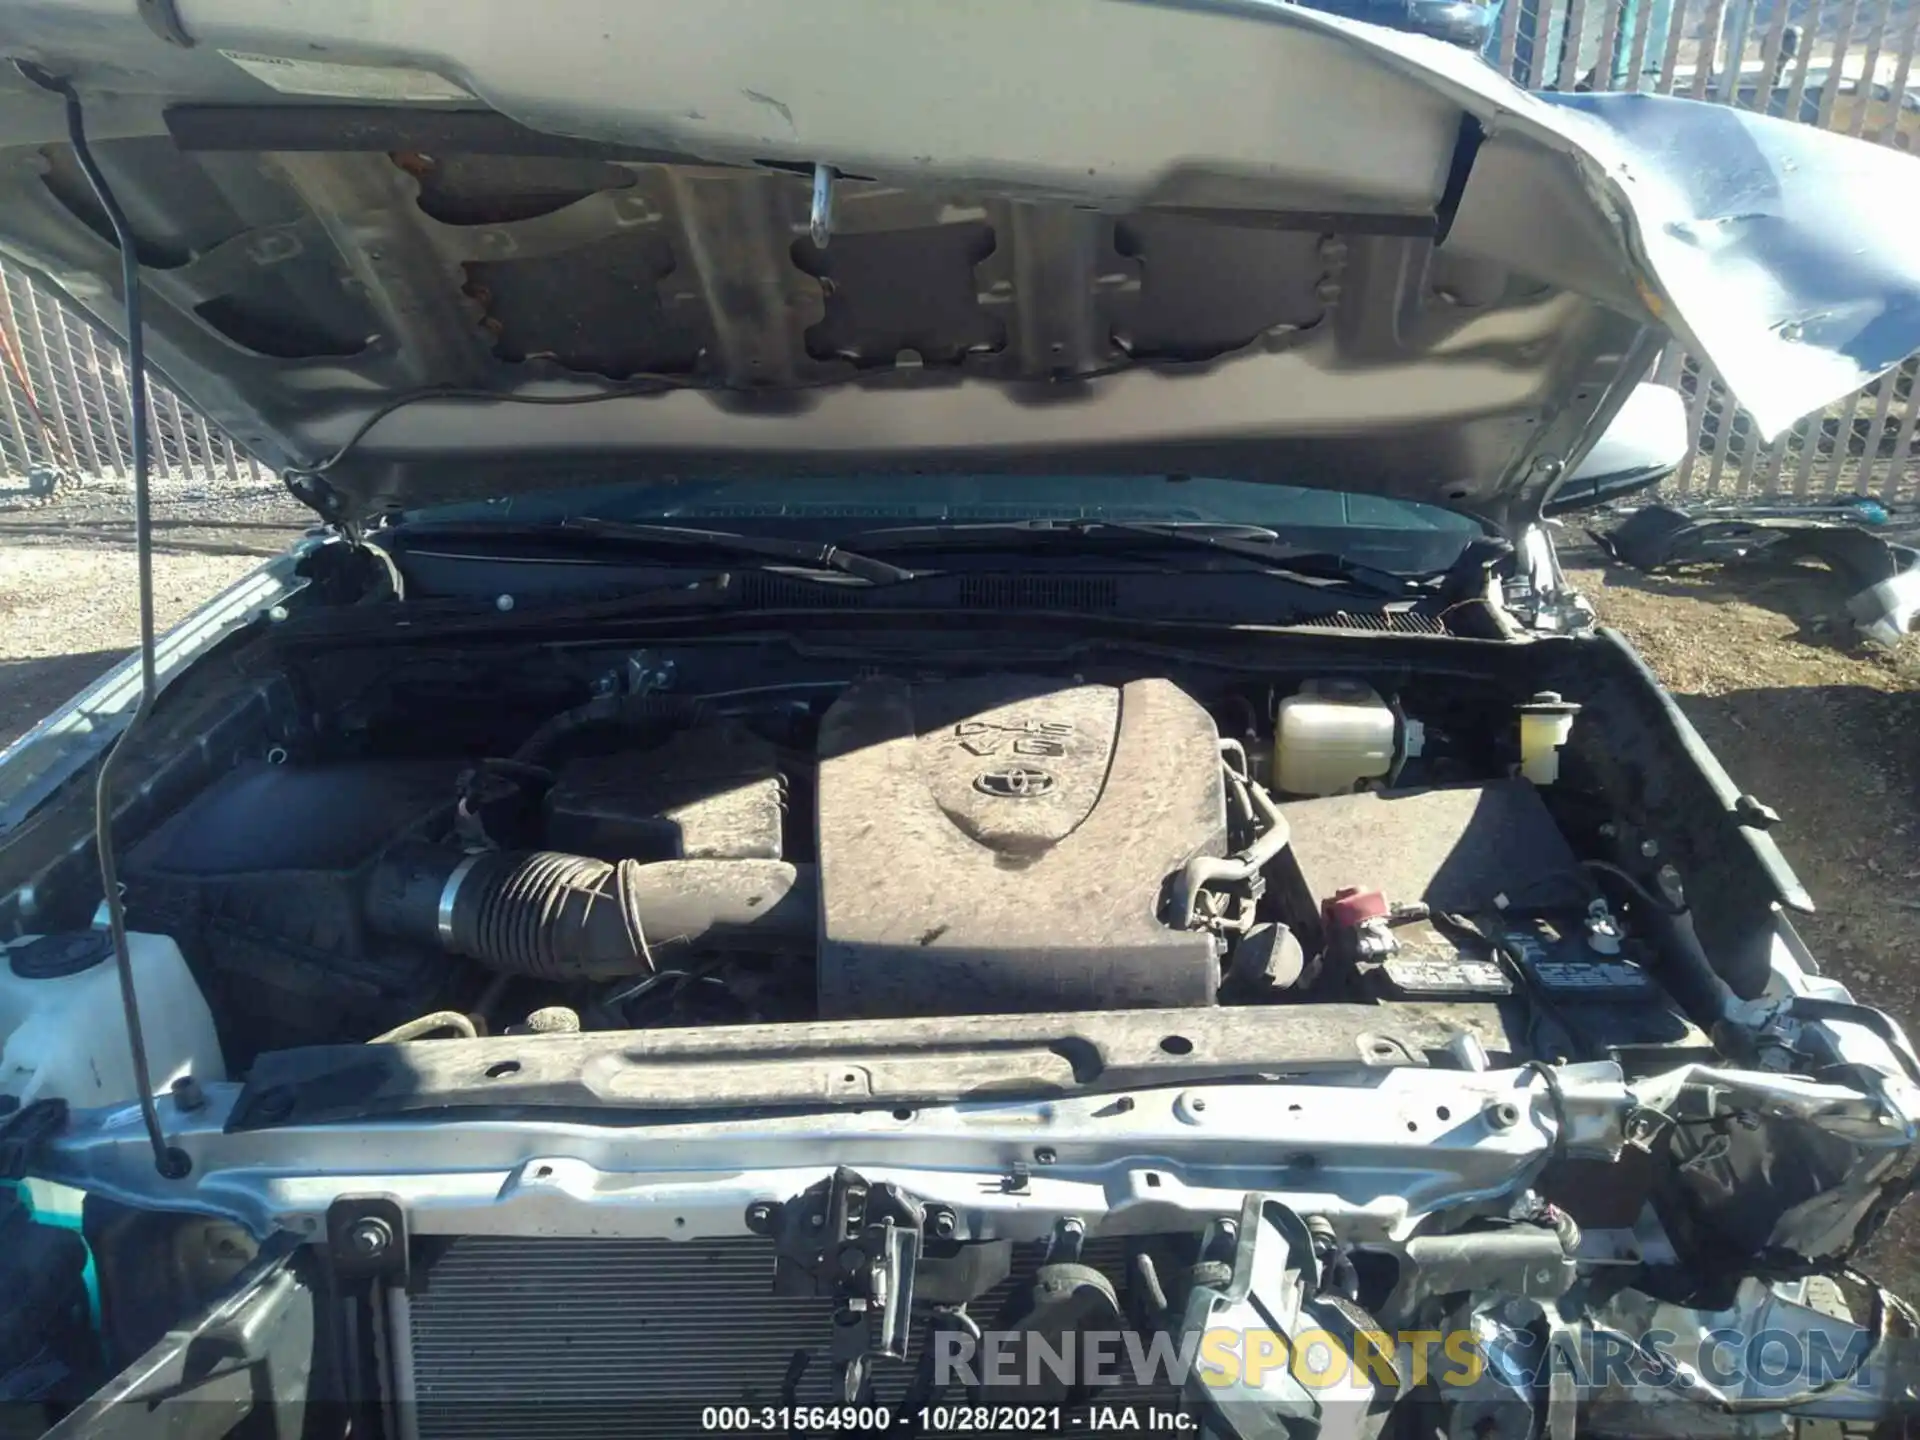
(1562, 965)
(1430, 976)
(1427, 964)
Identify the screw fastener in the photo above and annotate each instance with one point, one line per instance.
(370, 1237)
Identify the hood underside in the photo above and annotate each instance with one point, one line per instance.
(1094, 235)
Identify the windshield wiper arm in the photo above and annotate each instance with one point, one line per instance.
(408, 622)
(1247, 542)
(636, 535)
(730, 542)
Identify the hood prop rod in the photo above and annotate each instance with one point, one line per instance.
(171, 1161)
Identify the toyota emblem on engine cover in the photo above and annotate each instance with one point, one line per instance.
(1015, 782)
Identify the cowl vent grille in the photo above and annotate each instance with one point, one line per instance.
(765, 589)
(1039, 592)
(1391, 622)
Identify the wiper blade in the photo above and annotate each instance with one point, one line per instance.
(409, 621)
(637, 535)
(730, 542)
(997, 531)
(1247, 542)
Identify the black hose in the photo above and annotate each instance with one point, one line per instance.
(1146, 1277)
(611, 712)
(1245, 864)
(1400, 757)
(1641, 892)
(1557, 1097)
(564, 917)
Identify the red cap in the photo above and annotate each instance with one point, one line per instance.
(1351, 907)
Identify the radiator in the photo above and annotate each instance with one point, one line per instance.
(525, 1339)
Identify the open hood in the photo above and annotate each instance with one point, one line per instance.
(1236, 238)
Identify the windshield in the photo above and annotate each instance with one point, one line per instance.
(1399, 535)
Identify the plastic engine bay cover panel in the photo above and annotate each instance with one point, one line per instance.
(1003, 844)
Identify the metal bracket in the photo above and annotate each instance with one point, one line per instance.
(367, 1252)
(314, 493)
(1754, 813)
(859, 1244)
(367, 1238)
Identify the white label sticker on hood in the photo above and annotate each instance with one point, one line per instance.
(347, 82)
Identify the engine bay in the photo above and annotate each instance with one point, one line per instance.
(522, 970)
(900, 845)
(547, 1002)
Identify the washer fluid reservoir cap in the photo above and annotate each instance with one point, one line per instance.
(53, 957)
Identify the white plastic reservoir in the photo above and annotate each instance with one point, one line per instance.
(1546, 723)
(65, 1029)
(1331, 736)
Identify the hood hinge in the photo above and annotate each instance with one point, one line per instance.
(316, 494)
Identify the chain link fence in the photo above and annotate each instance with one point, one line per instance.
(1847, 65)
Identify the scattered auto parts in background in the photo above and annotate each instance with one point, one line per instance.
(1881, 576)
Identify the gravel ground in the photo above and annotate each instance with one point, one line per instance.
(67, 605)
(1828, 735)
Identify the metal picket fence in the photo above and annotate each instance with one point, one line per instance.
(1847, 65)
(65, 403)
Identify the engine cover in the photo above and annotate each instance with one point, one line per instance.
(1004, 844)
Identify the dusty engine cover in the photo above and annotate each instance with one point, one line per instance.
(1003, 844)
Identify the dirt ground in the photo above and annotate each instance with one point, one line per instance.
(1823, 731)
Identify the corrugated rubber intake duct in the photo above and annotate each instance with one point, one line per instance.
(571, 917)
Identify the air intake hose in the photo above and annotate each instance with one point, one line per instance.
(570, 917)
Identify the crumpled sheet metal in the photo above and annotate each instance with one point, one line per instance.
(1720, 1349)
(1780, 253)
(1776, 1165)
(1884, 612)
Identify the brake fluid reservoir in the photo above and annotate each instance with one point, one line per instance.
(1330, 737)
(1546, 721)
(65, 1029)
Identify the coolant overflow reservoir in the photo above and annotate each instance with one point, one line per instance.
(1333, 735)
(1545, 723)
(66, 1033)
